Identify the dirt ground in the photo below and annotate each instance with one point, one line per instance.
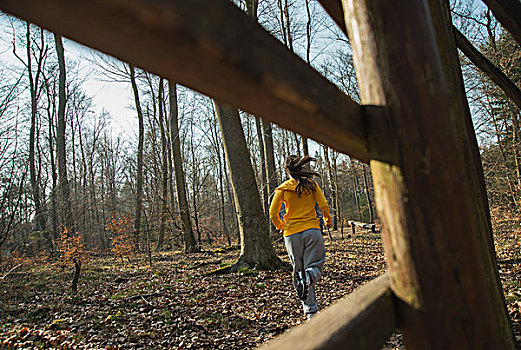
(173, 304)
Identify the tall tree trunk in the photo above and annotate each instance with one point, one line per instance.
(368, 195)
(221, 190)
(305, 147)
(139, 169)
(432, 205)
(39, 217)
(515, 142)
(332, 188)
(338, 210)
(308, 43)
(282, 23)
(288, 26)
(195, 184)
(164, 168)
(63, 182)
(175, 148)
(265, 193)
(265, 133)
(171, 188)
(54, 175)
(256, 248)
(231, 199)
(502, 152)
(269, 163)
(355, 191)
(295, 138)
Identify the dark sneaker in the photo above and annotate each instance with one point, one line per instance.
(302, 285)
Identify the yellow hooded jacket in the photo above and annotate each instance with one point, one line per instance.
(300, 211)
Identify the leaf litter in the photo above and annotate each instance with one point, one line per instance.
(174, 304)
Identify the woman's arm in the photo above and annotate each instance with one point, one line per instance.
(276, 203)
(322, 204)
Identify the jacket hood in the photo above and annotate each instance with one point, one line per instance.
(288, 185)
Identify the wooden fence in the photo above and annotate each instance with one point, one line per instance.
(413, 128)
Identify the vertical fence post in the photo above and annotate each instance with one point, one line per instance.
(423, 195)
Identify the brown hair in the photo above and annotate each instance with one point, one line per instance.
(299, 169)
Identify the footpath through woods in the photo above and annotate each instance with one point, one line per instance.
(175, 305)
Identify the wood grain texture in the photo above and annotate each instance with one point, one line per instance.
(437, 266)
(363, 320)
(212, 47)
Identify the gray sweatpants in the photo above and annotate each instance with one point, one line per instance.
(307, 253)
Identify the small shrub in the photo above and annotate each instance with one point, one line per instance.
(122, 242)
(72, 253)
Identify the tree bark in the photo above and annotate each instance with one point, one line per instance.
(164, 168)
(63, 182)
(269, 161)
(332, 188)
(139, 170)
(256, 249)
(441, 272)
(39, 217)
(175, 148)
(305, 147)
(515, 143)
(264, 192)
(54, 174)
(335, 187)
(368, 195)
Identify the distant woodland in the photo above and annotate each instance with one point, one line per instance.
(70, 185)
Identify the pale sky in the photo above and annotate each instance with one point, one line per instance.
(114, 97)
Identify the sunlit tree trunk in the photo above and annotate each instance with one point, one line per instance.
(54, 174)
(164, 167)
(264, 191)
(256, 248)
(63, 182)
(139, 169)
(34, 78)
(430, 199)
(269, 162)
(333, 188)
(368, 194)
(175, 148)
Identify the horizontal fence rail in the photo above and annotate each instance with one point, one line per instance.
(508, 12)
(215, 48)
(363, 320)
(334, 9)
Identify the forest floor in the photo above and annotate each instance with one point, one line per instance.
(173, 304)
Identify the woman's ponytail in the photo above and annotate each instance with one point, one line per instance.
(299, 169)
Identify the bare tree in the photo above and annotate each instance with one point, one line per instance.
(175, 148)
(139, 170)
(256, 248)
(63, 181)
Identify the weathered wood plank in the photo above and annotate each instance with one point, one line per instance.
(212, 47)
(437, 264)
(508, 12)
(467, 142)
(488, 67)
(363, 320)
